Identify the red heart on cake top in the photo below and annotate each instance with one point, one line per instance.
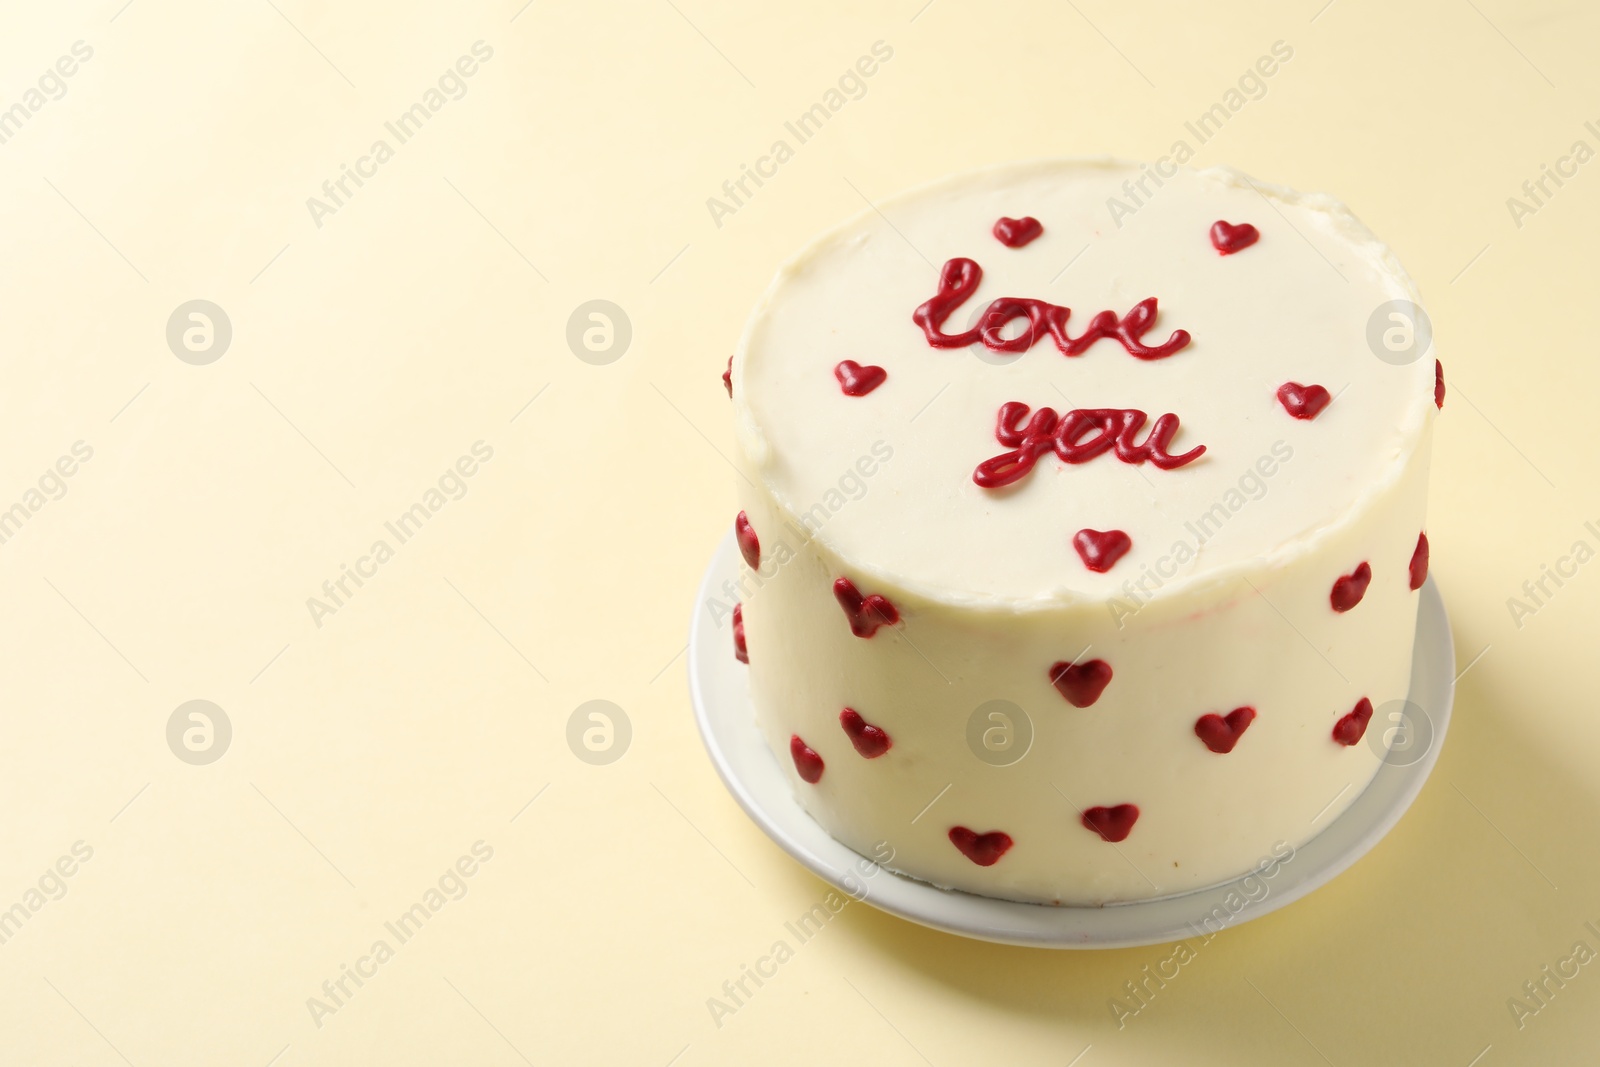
(1221, 733)
(983, 849)
(1014, 233)
(1438, 384)
(806, 761)
(1419, 562)
(1227, 238)
(1303, 401)
(727, 377)
(749, 543)
(869, 740)
(857, 380)
(740, 653)
(1114, 823)
(1081, 683)
(1100, 549)
(1350, 588)
(1349, 729)
(866, 613)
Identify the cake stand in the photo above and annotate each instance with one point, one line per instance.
(718, 687)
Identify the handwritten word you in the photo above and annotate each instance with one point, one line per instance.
(1046, 431)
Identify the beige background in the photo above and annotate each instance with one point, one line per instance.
(368, 354)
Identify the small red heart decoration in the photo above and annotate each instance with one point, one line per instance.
(1014, 233)
(727, 377)
(866, 613)
(1438, 384)
(869, 740)
(1081, 683)
(740, 653)
(1100, 549)
(806, 760)
(1350, 588)
(1303, 401)
(1419, 562)
(749, 543)
(983, 849)
(1227, 238)
(1349, 730)
(857, 380)
(1114, 824)
(1221, 733)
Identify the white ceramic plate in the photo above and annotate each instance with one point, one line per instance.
(718, 687)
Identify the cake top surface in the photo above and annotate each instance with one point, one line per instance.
(1274, 343)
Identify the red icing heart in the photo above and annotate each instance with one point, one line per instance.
(1438, 384)
(1081, 683)
(857, 380)
(806, 760)
(1113, 824)
(1014, 233)
(983, 849)
(1101, 549)
(1303, 401)
(740, 653)
(1419, 562)
(1348, 730)
(1350, 588)
(1228, 238)
(727, 377)
(749, 543)
(867, 613)
(1221, 734)
(869, 740)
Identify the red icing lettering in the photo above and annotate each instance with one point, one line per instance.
(959, 278)
(1112, 428)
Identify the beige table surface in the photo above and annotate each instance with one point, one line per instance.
(375, 341)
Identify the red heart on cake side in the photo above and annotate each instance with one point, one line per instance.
(1100, 549)
(1419, 562)
(1113, 824)
(1303, 401)
(806, 761)
(1438, 384)
(1221, 733)
(740, 652)
(866, 613)
(1350, 588)
(1227, 238)
(983, 849)
(1349, 729)
(727, 377)
(1081, 683)
(871, 741)
(858, 380)
(1014, 233)
(749, 543)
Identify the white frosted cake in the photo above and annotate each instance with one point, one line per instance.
(1082, 525)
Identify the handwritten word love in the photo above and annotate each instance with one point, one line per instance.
(1046, 431)
(960, 277)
